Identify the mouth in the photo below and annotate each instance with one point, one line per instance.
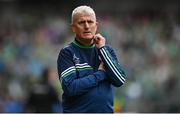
(87, 32)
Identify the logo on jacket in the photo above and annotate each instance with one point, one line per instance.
(76, 59)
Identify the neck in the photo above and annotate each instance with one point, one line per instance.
(85, 42)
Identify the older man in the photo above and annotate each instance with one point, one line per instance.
(87, 67)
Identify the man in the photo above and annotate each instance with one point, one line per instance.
(88, 68)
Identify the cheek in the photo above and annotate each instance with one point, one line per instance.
(94, 29)
(77, 30)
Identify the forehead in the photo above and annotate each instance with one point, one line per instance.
(82, 16)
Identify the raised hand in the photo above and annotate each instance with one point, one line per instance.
(99, 40)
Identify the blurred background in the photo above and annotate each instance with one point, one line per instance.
(144, 33)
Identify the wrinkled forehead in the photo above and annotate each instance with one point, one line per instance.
(82, 16)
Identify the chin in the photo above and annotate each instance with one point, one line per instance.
(88, 37)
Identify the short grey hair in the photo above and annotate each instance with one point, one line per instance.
(82, 9)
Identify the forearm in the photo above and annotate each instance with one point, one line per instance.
(72, 86)
(112, 65)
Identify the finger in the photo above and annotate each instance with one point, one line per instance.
(96, 38)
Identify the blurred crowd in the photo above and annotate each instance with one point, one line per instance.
(149, 50)
(148, 47)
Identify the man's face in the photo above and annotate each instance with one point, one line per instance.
(84, 26)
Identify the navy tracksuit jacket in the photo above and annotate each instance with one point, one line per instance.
(87, 89)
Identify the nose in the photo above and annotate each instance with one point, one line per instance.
(86, 25)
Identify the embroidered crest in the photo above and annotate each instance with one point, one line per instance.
(76, 59)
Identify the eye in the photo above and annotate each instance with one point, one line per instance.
(90, 21)
(81, 22)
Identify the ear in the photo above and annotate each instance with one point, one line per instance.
(72, 28)
(97, 23)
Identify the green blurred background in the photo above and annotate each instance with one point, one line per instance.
(144, 33)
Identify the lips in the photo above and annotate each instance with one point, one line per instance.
(87, 32)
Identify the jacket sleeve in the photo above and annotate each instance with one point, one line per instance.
(112, 66)
(71, 84)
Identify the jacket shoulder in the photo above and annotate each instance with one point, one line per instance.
(67, 48)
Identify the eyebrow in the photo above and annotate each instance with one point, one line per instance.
(83, 21)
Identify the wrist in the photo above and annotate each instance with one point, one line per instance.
(101, 47)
